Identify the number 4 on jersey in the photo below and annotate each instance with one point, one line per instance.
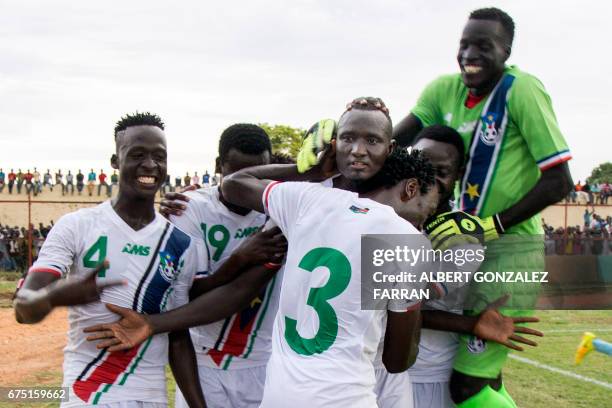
(96, 254)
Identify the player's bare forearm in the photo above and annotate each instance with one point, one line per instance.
(554, 185)
(226, 273)
(33, 308)
(402, 337)
(406, 130)
(182, 358)
(447, 321)
(215, 305)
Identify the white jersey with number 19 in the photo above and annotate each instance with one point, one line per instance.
(158, 263)
(323, 343)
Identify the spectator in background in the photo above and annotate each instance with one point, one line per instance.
(91, 181)
(103, 183)
(80, 181)
(587, 189)
(19, 181)
(59, 180)
(166, 186)
(587, 217)
(28, 182)
(177, 183)
(69, 182)
(114, 181)
(206, 179)
(47, 179)
(215, 180)
(195, 180)
(2, 175)
(187, 180)
(11, 181)
(37, 183)
(606, 192)
(578, 186)
(596, 190)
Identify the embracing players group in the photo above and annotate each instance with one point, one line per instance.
(251, 290)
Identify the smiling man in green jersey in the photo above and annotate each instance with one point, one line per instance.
(516, 166)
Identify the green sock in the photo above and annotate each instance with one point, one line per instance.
(504, 392)
(487, 398)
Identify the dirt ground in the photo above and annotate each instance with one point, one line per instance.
(32, 354)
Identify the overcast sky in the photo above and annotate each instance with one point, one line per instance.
(70, 69)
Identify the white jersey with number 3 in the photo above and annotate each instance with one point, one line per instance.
(323, 343)
(157, 262)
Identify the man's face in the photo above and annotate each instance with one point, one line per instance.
(420, 206)
(141, 159)
(445, 159)
(236, 160)
(363, 143)
(483, 51)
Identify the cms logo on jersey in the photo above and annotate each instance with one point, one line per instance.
(245, 232)
(135, 249)
(168, 268)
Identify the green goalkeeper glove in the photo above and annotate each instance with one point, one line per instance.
(316, 140)
(445, 229)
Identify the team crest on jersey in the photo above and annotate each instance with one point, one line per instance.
(488, 133)
(168, 267)
(476, 345)
(358, 210)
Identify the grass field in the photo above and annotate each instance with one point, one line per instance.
(531, 386)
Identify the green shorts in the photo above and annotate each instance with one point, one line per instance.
(479, 358)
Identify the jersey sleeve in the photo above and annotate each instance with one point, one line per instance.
(60, 247)
(189, 221)
(283, 203)
(531, 109)
(427, 108)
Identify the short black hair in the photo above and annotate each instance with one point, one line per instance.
(280, 158)
(495, 14)
(138, 119)
(444, 134)
(244, 137)
(368, 103)
(401, 165)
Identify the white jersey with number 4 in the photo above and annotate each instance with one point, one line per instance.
(242, 340)
(157, 262)
(323, 343)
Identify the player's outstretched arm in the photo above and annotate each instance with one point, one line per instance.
(406, 130)
(258, 249)
(42, 292)
(183, 363)
(401, 340)
(219, 303)
(489, 325)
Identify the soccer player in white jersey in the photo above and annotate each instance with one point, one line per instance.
(324, 345)
(232, 353)
(155, 260)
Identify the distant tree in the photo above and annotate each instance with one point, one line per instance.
(285, 139)
(601, 174)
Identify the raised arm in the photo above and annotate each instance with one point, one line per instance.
(406, 130)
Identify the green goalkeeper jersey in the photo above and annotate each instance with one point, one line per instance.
(531, 143)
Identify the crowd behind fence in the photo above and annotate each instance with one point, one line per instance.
(35, 182)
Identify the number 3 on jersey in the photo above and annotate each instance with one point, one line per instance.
(339, 278)
(99, 248)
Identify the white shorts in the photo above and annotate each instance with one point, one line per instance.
(241, 388)
(393, 390)
(432, 395)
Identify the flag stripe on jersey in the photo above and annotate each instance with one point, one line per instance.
(261, 318)
(153, 259)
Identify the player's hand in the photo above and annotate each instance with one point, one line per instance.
(130, 331)
(316, 141)
(494, 326)
(263, 247)
(454, 228)
(172, 204)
